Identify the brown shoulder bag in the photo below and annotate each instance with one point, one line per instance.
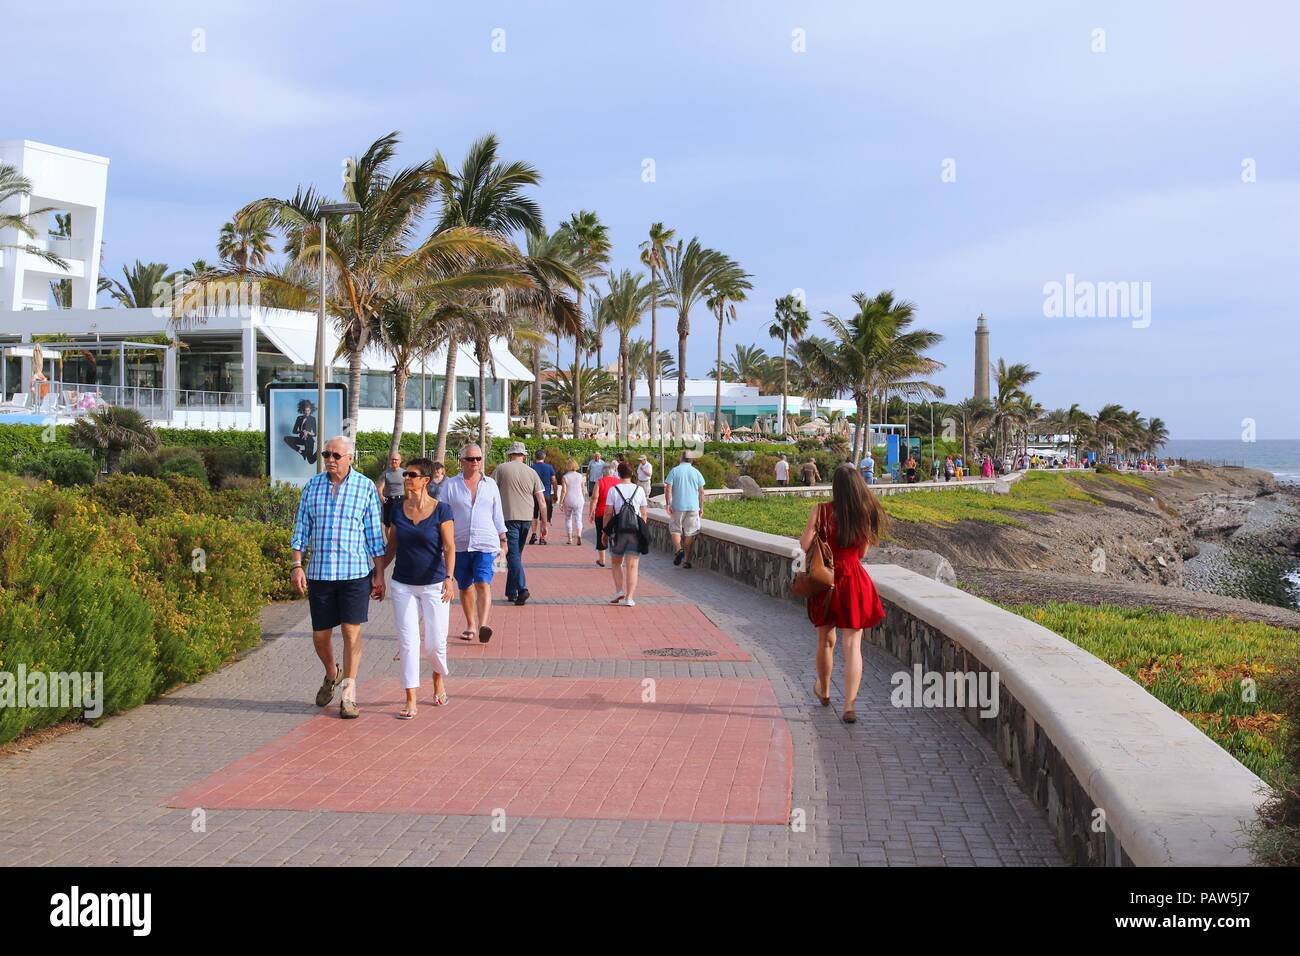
(818, 575)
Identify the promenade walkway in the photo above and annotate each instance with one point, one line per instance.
(681, 731)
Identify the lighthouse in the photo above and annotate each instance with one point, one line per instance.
(981, 359)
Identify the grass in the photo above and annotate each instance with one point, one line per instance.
(1037, 491)
(1195, 666)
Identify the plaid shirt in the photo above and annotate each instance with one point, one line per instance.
(343, 527)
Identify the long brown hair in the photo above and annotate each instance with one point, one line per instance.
(859, 519)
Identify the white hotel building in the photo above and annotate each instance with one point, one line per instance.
(215, 369)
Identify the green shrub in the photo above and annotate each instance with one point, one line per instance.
(63, 466)
(135, 495)
(275, 505)
(762, 468)
(215, 580)
(140, 463)
(185, 462)
(223, 463)
(24, 441)
(714, 471)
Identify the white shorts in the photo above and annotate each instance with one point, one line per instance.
(684, 522)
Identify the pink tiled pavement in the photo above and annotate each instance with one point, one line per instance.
(558, 583)
(594, 632)
(668, 749)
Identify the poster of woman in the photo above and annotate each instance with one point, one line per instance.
(296, 429)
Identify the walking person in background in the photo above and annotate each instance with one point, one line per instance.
(437, 478)
(644, 475)
(868, 466)
(987, 469)
(340, 526)
(949, 469)
(684, 501)
(390, 484)
(480, 536)
(782, 472)
(573, 499)
(958, 467)
(625, 517)
(546, 473)
(850, 522)
(522, 496)
(598, 502)
(809, 472)
(421, 536)
(595, 472)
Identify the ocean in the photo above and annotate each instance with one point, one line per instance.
(1281, 456)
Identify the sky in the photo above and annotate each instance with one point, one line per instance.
(964, 155)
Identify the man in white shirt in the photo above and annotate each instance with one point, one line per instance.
(782, 472)
(480, 536)
(644, 473)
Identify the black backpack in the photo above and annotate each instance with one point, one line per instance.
(627, 521)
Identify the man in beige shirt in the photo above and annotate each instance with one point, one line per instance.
(522, 495)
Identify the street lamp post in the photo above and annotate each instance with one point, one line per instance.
(328, 209)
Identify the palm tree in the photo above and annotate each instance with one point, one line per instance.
(689, 273)
(1156, 436)
(139, 290)
(748, 363)
(113, 430)
(587, 240)
(14, 186)
(729, 286)
(550, 267)
(976, 415)
(245, 241)
(876, 350)
(1011, 404)
(629, 296)
(653, 251)
(1108, 426)
(370, 254)
(790, 326)
(599, 388)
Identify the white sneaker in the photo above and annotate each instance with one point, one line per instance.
(628, 602)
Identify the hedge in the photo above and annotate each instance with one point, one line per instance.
(140, 579)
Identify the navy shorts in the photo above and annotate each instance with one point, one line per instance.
(338, 602)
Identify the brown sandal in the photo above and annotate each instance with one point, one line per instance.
(825, 701)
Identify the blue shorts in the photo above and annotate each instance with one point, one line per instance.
(474, 567)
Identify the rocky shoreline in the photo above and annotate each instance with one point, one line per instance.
(1204, 541)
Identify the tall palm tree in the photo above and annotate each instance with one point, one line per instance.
(790, 326)
(138, 289)
(15, 186)
(550, 267)
(1157, 434)
(624, 305)
(689, 271)
(1011, 404)
(653, 250)
(1108, 426)
(587, 240)
(374, 256)
(976, 416)
(728, 286)
(875, 350)
(748, 363)
(245, 241)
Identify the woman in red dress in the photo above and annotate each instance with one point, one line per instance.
(850, 522)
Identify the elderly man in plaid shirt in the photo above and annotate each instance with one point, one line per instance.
(339, 524)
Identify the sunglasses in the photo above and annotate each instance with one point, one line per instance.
(333, 455)
(480, 458)
(413, 474)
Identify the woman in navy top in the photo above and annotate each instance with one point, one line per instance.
(422, 548)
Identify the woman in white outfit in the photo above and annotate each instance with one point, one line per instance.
(421, 542)
(573, 495)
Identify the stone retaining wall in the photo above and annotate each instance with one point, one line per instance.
(1123, 779)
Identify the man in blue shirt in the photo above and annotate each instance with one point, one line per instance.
(546, 472)
(685, 504)
(339, 525)
(868, 467)
(595, 471)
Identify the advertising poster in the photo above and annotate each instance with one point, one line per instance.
(295, 430)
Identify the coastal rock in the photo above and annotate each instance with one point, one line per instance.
(749, 487)
(930, 564)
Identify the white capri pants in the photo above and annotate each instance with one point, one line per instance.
(573, 520)
(410, 602)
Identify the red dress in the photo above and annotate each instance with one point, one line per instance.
(853, 603)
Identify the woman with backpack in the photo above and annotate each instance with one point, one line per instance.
(625, 517)
(849, 523)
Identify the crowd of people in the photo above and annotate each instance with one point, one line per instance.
(442, 536)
